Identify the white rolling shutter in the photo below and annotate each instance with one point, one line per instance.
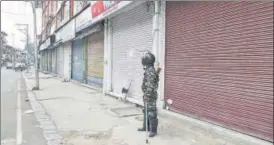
(132, 35)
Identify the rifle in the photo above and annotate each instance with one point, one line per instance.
(158, 68)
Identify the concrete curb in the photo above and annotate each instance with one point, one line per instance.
(50, 131)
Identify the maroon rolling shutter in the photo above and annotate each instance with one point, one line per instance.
(219, 63)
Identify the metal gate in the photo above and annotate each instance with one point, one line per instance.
(132, 35)
(219, 63)
(77, 60)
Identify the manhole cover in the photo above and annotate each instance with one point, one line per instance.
(126, 111)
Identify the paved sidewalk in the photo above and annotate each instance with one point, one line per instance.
(83, 116)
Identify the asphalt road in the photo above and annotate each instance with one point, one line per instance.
(18, 123)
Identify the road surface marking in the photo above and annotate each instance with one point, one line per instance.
(19, 117)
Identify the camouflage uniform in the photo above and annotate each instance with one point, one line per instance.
(149, 88)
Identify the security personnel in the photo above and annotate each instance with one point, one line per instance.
(149, 88)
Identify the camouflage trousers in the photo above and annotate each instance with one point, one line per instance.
(152, 120)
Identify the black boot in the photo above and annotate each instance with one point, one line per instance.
(153, 127)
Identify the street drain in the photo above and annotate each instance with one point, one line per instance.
(126, 111)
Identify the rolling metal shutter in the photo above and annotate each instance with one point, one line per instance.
(77, 60)
(46, 60)
(50, 60)
(62, 61)
(95, 59)
(132, 35)
(67, 60)
(219, 63)
(42, 58)
(54, 61)
(58, 60)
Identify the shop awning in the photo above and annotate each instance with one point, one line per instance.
(92, 30)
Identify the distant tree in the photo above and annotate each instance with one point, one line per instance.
(3, 38)
(3, 47)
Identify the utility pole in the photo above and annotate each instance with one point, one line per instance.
(33, 5)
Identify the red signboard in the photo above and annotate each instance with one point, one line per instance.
(100, 7)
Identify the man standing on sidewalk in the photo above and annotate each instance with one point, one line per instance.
(149, 88)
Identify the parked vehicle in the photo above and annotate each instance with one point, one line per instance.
(19, 67)
(9, 65)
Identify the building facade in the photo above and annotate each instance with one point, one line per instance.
(216, 57)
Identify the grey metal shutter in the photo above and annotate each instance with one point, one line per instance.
(46, 61)
(50, 60)
(132, 35)
(219, 63)
(42, 60)
(95, 68)
(67, 61)
(58, 59)
(77, 60)
(54, 55)
(47, 65)
(62, 61)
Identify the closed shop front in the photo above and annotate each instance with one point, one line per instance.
(42, 66)
(131, 37)
(46, 60)
(77, 60)
(67, 33)
(50, 60)
(61, 73)
(60, 60)
(67, 60)
(95, 58)
(54, 60)
(219, 63)
(45, 56)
